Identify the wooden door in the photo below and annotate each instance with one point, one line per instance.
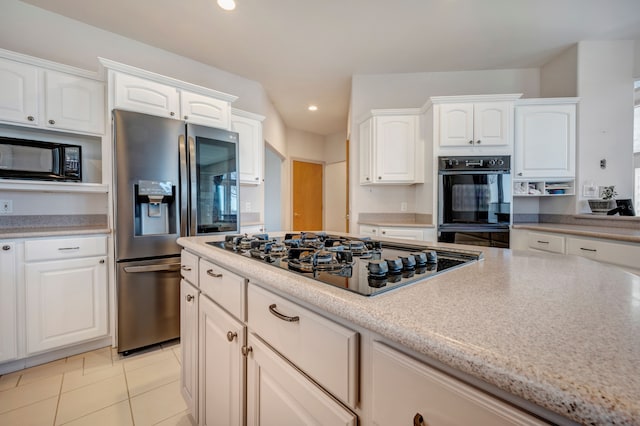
(307, 196)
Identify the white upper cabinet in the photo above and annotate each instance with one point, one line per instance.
(391, 150)
(142, 95)
(204, 110)
(251, 145)
(479, 124)
(545, 138)
(48, 95)
(473, 122)
(18, 92)
(74, 103)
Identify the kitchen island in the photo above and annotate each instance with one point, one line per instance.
(538, 330)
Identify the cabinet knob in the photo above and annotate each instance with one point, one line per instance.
(470, 142)
(172, 114)
(367, 178)
(31, 118)
(190, 298)
(246, 350)
(384, 232)
(6, 248)
(101, 261)
(257, 178)
(185, 268)
(231, 335)
(519, 174)
(186, 117)
(379, 177)
(479, 142)
(52, 121)
(418, 420)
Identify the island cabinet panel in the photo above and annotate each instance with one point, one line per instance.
(323, 349)
(277, 394)
(189, 314)
(224, 287)
(189, 267)
(408, 392)
(222, 366)
(8, 301)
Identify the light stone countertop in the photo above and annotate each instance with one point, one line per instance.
(397, 224)
(562, 332)
(606, 232)
(10, 233)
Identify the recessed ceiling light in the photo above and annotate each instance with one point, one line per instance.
(313, 108)
(227, 4)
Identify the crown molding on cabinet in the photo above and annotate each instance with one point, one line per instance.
(246, 114)
(547, 101)
(43, 63)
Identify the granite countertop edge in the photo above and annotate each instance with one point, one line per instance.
(609, 233)
(550, 384)
(9, 233)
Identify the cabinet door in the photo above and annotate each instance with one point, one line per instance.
(405, 391)
(395, 148)
(491, 123)
(366, 147)
(251, 147)
(545, 141)
(66, 302)
(222, 366)
(204, 110)
(619, 253)
(137, 94)
(189, 346)
(368, 230)
(402, 233)
(279, 395)
(456, 124)
(18, 92)
(74, 103)
(8, 301)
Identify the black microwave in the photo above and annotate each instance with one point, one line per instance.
(30, 159)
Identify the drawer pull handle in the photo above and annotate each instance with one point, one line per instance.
(272, 309)
(588, 249)
(185, 268)
(231, 335)
(543, 242)
(246, 350)
(189, 298)
(418, 420)
(6, 248)
(68, 248)
(213, 274)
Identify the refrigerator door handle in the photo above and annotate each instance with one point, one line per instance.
(193, 182)
(165, 267)
(184, 186)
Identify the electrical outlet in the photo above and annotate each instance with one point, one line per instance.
(403, 206)
(6, 206)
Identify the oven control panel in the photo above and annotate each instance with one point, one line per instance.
(500, 163)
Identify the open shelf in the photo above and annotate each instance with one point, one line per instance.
(543, 188)
(46, 186)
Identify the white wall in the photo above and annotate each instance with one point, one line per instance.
(636, 67)
(605, 115)
(335, 147)
(411, 91)
(559, 76)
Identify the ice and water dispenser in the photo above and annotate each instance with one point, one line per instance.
(155, 208)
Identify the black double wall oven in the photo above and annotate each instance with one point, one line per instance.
(474, 200)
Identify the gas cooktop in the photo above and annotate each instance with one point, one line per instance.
(360, 265)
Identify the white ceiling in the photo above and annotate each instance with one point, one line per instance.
(305, 51)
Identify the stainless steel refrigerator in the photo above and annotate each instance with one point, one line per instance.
(171, 179)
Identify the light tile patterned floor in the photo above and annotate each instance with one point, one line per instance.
(98, 388)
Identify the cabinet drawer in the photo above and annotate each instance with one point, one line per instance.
(64, 248)
(406, 390)
(324, 350)
(604, 251)
(189, 267)
(546, 242)
(223, 287)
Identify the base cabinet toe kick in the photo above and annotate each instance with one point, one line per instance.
(253, 356)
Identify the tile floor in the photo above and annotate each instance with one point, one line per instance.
(98, 388)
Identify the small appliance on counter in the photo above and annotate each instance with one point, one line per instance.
(364, 266)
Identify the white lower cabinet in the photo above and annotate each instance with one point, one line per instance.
(279, 395)
(418, 234)
(66, 302)
(189, 314)
(222, 366)
(406, 391)
(8, 301)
